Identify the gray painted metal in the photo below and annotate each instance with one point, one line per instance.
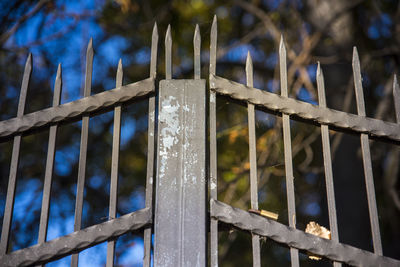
(12, 180)
(51, 151)
(255, 239)
(77, 241)
(112, 213)
(213, 147)
(80, 185)
(180, 208)
(181, 197)
(296, 238)
(340, 120)
(287, 144)
(326, 150)
(151, 136)
(74, 109)
(366, 155)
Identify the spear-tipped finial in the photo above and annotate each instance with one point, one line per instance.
(57, 86)
(282, 67)
(25, 84)
(154, 47)
(90, 46)
(358, 83)
(120, 73)
(197, 47)
(282, 47)
(249, 70)
(28, 63)
(356, 60)
(396, 97)
(213, 45)
(168, 53)
(321, 86)
(89, 68)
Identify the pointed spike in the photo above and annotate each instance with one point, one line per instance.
(282, 47)
(356, 60)
(28, 63)
(197, 47)
(358, 83)
(25, 84)
(249, 70)
(321, 86)
(318, 69)
(396, 97)
(57, 87)
(213, 45)
(90, 46)
(168, 53)
(154, 47)
(282, 67)
(120, 73)
(89, 69)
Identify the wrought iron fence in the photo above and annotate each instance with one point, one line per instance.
(179, 165)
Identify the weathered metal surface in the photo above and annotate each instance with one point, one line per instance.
(180, 208)
(80, 185)
(112, 212)
(213, 147)
(48, 177)
(168, 53)
(326, 151)
(197, 48)
(74, 109)
(366, 155)
(151, 137)
(12, 179)
(341, 120)
(253, 160)
(77, 241)
(296, 238)
(287, 144)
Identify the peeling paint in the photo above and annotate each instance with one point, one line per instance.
(212, 98)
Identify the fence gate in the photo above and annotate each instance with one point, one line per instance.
(182, 163)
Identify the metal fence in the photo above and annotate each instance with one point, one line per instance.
(182, 163)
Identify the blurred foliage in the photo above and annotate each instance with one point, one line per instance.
(314, 30)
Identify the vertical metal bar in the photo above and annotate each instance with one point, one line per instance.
(114, 166)
(197, 47)
(253, 160)
(396, 98)
(12, 180)
(326, 150)
(366, 154)
(83, 149)
(294, 254)
(150, 147)
(213, 146)
(51, 151)
(168, 54)
(180, 208)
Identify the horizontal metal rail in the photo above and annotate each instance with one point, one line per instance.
(296, 238)
(77, 241)
(76, 108)
(322, 115)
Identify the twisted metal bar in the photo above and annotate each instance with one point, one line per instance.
(76, 108)
(77, 241)
(296, 238)
(341, 120)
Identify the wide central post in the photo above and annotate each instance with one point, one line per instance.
(180, 212)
